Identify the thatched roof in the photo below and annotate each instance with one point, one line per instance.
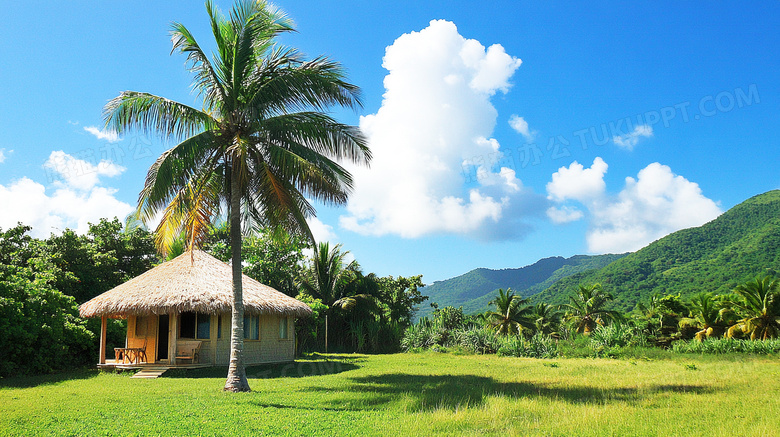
(195, 282)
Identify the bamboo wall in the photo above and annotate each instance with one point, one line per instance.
(270, 348)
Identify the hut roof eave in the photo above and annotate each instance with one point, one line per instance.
(191, 282)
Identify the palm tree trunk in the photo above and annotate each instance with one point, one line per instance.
(236, 378)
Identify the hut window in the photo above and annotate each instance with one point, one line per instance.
(283, 328)
(219, 326)
(195, 326)
(204, 326)
(252, 327)
(140, 326)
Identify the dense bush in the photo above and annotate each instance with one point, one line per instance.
(479, 340)
(40, 331)
(41, 283)
(538, 346)
(424, 334)
(617, 334)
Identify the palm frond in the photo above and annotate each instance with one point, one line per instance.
(154, 115)
(287, 82)
(318, 132)
(209, 82)
(190, 215)
(174, 170)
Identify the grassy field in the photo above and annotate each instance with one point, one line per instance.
(413, 394)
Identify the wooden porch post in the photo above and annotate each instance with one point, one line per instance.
(213, 330)
(102, 357)
(174, 324)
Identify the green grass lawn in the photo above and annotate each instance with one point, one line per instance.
(413, 394)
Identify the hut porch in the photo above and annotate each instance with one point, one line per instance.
(119, 365)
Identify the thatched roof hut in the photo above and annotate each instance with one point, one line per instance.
(181, 304)
(192, 282)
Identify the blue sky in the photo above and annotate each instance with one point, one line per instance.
(502, 134)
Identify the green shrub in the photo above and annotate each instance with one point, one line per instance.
(617, 334)
(478, 340)
(576, 346)
(449, 317)
(421, 335)
(40, 331)
(538, 346)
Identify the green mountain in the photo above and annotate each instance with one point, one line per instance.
(735, 247)
(476, 288)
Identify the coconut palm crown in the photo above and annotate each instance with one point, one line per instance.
(587, 309)
(257, 150)
(709, 315)
(758, 305)
(512, 314)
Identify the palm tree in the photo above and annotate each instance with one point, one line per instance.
(661, 314)
(512, 314)
(257, 150)
(586, 309)
(337, 283)
(758, 304)
(546, 319)
(708, 315)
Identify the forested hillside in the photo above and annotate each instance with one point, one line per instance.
(476, 288)
(735, 247)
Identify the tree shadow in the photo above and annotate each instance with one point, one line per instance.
(353, 358)
(453, 392)
(52, 379)
(295, 369)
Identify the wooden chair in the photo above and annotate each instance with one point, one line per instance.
(141, 353)
(188, 350)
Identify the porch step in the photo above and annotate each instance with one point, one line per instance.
(150, 372)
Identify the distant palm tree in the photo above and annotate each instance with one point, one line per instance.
(708, 315)
(758, 304)
(660, 313)
(586, 309)
(337, 283)
(260, 147)
(546, 319)
(512, 314)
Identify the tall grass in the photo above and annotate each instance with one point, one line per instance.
(719, 346)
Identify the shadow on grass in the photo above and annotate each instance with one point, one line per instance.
(453, 392)
(352, 358)
(38, 380)
(296, 369)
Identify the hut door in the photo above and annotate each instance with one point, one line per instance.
(162, 338)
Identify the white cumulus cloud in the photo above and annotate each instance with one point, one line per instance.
(73, 200)
(434, 125)
(577, 182)
(521, 126)
(629, 140)
(322, 232)
(564, 214)
(78, 173)
(654, 204)
(109, 136)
